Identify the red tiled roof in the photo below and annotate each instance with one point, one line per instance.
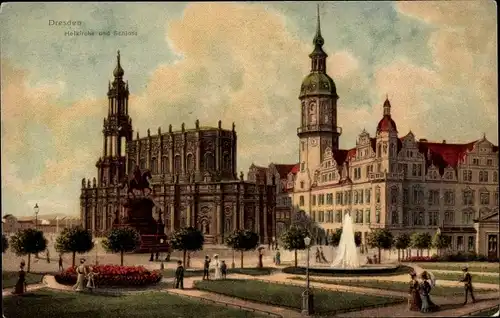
(340, 156)
(284, 169)
(295, 168)
(444, 154)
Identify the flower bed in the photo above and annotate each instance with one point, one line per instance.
(455, 257)
(114, 275)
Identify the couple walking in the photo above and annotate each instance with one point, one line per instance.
(220, 268)
(83, 272)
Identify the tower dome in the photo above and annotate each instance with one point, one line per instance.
(318, 82)
(387, 123)
(118, 72)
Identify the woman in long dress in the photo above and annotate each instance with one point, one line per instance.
(81, 272)
(414, 302)
(425, 290)
(217, 264)
(20, 286)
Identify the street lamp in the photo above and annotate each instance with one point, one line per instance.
(96, 245)
(162, 266)
(37, 209)
(307, 296)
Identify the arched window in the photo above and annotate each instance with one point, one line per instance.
(142, 163)
(177, 164)
(209, 162)
(226, 161)
(190, 162)
(165, 168)
(131, 165)
(154, 165)
(394, 195)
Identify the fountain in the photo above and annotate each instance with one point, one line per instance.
(347, 260)
(347, 254)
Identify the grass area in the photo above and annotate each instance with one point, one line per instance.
(253, 271)
(392, 286)
(485, 279)
(57, 304)
(474, 267)
(9, 278)
(401, 270)
(486, 313)
(291, 296)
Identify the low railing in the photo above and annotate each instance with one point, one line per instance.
(386, 175)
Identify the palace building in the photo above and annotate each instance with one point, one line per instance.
(386, 180)
(193, 177)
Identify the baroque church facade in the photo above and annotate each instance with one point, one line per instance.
(193, 177)
(388, 181)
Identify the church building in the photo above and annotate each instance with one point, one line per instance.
(193, 176)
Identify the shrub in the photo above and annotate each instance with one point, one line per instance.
(421, 259)
(243, 240)
(74, 240)
(114, 275)
(27, 242)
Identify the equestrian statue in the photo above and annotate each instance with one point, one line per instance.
(138, 181)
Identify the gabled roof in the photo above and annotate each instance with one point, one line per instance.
(284, 169)
(443, 154)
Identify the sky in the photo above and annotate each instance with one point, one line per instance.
(239, 62)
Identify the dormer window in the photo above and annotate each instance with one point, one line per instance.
(475, 161)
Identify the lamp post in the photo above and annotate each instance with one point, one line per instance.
(96, 245)
(162, 266)
(307, 296)
(232, 264)
(37, 209)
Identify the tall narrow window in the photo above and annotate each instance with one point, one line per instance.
(154, 165)
(165, 165)
(226, 161)
(209, 162)
(123, 146)
(177, 164)
(190, 163)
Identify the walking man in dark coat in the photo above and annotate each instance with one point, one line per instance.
(60, 263)
(179, 275)
(206, 267)
(467, 280)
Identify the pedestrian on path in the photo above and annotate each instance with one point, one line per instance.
(277, 258)
(61, 268)
(223, 269)
(48, 256)
(467, 280)
(318, 256)
(414, 300)
(21, 286)
(179, 275)
(206, 268)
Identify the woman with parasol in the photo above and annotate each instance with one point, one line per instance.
(428, 282)
(414, 300)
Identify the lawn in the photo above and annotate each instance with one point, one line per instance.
(474, 267)
(486, 279)
(253, 271)
(9, 278)
(486, 313)
(291, 296)
(54, 304)
(392, 286)
(403, 269)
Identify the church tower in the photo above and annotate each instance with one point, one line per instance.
(318, 96)
(117, 131)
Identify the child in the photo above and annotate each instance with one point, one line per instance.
(90, 277)
(223, 269)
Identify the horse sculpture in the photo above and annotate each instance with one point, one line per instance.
(138, 181)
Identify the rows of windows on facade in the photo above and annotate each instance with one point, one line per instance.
(386, 178)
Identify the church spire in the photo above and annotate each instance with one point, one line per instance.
(387, 106)
(318, 56)
(118, 72)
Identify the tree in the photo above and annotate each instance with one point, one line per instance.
(27, 242)
(335, 238)
(243, 240)
(303, 221)
(121, 240)
(402, 242)
(74, 240)
(293, 240)
(187, 239)
(5, 243)
(380, 239)
(440, 242)
(421, 241)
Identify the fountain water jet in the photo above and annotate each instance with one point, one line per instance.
(347, 253)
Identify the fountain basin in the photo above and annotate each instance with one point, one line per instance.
(364, 270)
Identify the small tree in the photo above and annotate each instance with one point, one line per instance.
(380, 239)
(293, 240)
(421, 241)
(187, 239)
(440, 242)
(74, 240)
(5, 243)
(243, 240)
(121, 240)
(27, 242)
(402, 242)
(335, 238)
